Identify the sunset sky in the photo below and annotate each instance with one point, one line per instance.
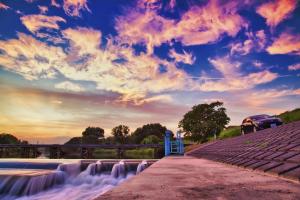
(69, 64)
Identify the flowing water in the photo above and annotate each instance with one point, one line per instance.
(66, 180)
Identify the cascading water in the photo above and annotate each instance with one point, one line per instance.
(143, 165)
(118, 170)
(68, 179)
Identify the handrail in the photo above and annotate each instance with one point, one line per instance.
(103, 146)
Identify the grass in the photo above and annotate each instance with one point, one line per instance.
(231, 131)
(140, 153)
(290, 116)
(148, 153)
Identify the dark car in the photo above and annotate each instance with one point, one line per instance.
(259, 122)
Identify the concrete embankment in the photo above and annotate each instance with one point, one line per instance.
(193, 178)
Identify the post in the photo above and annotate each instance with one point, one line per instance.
(167, 143)
(180, 143)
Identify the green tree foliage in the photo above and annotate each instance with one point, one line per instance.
(151, 139)
(149, 129)
(92, 135)
(204, 120)
(6, 138)
(121, 134)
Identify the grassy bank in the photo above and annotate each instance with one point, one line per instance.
(231, 131)
(290, 116)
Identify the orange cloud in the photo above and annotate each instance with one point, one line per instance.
(30, 58)
(34, 23)
(73, 7)
(276, 11)
(285, 44)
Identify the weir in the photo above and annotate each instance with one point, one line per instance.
(89, 177)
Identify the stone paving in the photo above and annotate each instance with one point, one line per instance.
(273, 150)
(191, 178)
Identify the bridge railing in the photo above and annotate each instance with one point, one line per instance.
(86, 150)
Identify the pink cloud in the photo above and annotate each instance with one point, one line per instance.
(74, 7)
(199, 25)
(254, 42)
(3, 6)
(287, 43)
(233, 79)
(187, 58)
(276, 11)
(294, 67)
(43, 9)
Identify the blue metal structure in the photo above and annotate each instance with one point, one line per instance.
(173, 147)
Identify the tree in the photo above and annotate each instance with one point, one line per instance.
(151, 139)
(6, 138)
(92, 135)
(75, 140)
(204, 120)
(121, 134)
(149, 129)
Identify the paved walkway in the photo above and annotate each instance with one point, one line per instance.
(192, 178)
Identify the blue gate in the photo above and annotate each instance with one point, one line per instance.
(173, 147)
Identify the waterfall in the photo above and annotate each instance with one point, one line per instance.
(71, 169)
(92, 169)
(118, 170)
(143, 165)
(29, 185)
(68, 179)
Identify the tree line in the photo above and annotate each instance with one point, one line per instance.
(147, 134)
(200, 123)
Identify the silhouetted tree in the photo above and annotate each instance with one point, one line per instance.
(75, 140)
(204, 120)
(92, 135)
(149, 129)
(6, 138)
(121, 134)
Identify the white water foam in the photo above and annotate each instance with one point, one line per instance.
(143, 165)
(67, 182)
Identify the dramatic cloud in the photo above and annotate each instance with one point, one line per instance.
(187, 58)
(255, 41)
(34, 23)
(115, 68)
(294, 67)
(74, 7)
(83, 40)
(30, 58)
(3, 6)
(287, 43)
(69, 86)
(276, 11)
(233, 79)
(199, 25)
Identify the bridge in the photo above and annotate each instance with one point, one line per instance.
(57, 150)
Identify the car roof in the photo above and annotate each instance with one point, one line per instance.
(262, 115)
